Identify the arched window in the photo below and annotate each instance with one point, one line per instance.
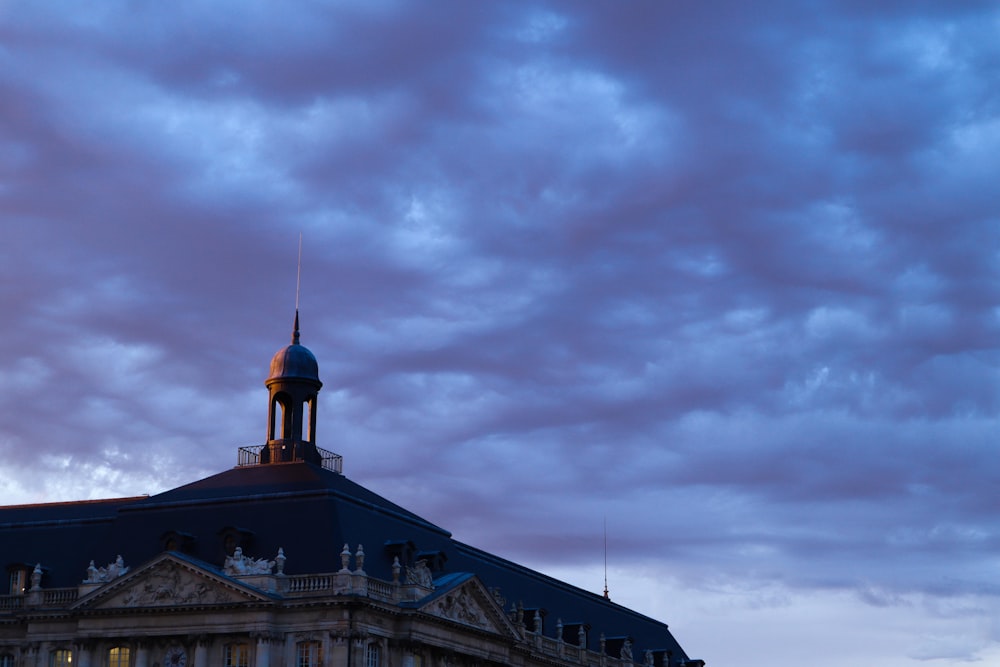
(119, 656)
(309, 654)
(61, 658)
(286, 417)
(237, 655)
(307, 421)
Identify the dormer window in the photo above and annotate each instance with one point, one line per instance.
(175, 540)
(435, 559)
(233, 536)
(401, 549)
(20, 575)
(534, 619)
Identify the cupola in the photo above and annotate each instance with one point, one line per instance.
(292, 386)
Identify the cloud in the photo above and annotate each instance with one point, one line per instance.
(724, 276)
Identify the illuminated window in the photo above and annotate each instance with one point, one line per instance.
(371, 655)
(237, 655)
(61, 658)
(6, 660)
(309, 654)
(118, 656)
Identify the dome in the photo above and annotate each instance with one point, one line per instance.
(294, 361)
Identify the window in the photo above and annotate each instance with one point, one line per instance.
(237, 655)
(307, 422)
(309, 654)
(17, 579)
(118, 656)
(6, 660)
(61, 658)
(371, 655)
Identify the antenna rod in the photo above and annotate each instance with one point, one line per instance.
(298, 276)
(606, 596)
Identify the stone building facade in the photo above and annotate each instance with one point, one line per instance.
(283, 561)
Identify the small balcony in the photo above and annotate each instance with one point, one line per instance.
(250, 456)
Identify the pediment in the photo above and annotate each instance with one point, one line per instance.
(168, 581)
(469, 603)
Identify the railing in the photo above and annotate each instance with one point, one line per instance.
(338, 583)
(310, 583)
(59, 596)
(53, 597)
(250, 456)
(381, 590)
(11, 601)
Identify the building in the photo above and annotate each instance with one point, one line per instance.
(283, 561)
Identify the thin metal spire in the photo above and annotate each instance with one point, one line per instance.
(298, 275)
(298, 286)
(606, 596)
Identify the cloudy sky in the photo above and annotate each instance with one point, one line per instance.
(725, 275)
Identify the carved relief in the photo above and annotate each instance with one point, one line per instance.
(498, 597)
(460, 606)
(170, 586)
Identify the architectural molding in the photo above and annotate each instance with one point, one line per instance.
(168, 581)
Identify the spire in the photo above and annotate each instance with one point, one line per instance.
(295, 332)
(606, 596)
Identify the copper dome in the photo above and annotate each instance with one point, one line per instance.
(294, 361)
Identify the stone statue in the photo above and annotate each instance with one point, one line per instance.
(279, 560)
(100, 575)
(626, 652)
(238, 564)
(36, 578)
(420, 574)
(117, 568)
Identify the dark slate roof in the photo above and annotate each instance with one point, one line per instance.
(311, 513)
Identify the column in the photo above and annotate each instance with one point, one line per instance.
(84, 654)
(338, 648)
(32, 654)
(141, 655)
(263, 651)
(201, 653)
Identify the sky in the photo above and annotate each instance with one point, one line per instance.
(721, 276)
